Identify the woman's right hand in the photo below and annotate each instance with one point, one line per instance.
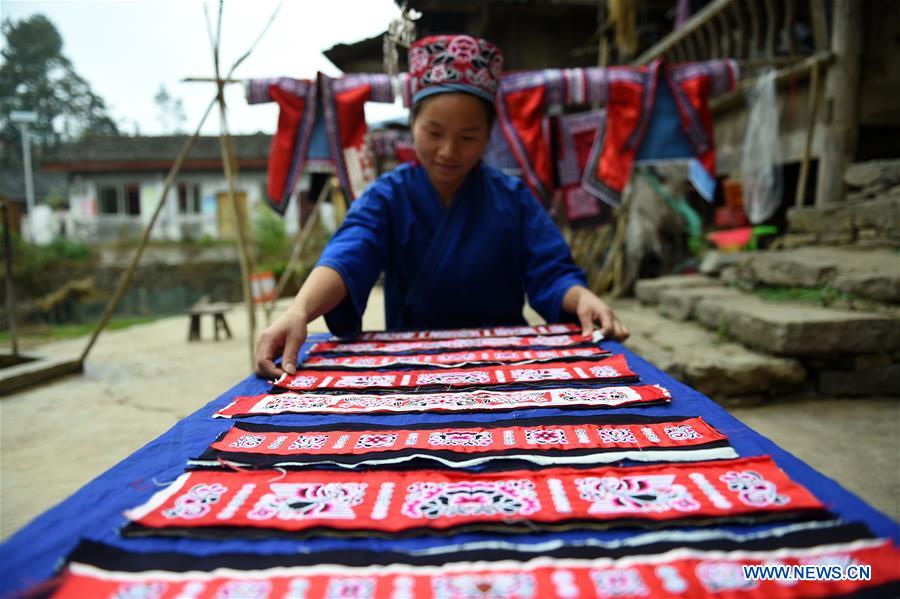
(284, 337)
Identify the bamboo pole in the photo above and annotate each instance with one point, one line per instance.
(125, 280)
(240, 218)
(229, 166)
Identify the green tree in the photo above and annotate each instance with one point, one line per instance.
(36, 75)
(171, 111)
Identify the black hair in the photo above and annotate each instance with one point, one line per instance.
(489, 111)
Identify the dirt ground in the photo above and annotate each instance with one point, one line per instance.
(142, 380)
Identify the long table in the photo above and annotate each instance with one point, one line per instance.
(95, 512)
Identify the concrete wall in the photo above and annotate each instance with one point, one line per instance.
(84, 220)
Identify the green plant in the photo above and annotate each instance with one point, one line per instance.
(823, 295)
(269, 234)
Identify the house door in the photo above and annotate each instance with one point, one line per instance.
(225, 213)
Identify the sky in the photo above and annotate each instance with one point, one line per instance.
(127, 48)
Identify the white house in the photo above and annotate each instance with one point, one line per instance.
(115, 184)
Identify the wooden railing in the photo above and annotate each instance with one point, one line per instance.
(793, 37)
(757, 33)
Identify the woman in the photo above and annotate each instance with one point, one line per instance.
(460, 243)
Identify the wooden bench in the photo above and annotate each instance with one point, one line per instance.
(219, 323)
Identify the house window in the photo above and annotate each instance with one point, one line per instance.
(188, 198)
(109, 199)
(133, 200)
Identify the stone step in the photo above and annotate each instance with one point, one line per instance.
(867, 222)
(795, 329)
(872, 274)
(680, 304)
(648, 290)
(722, 369)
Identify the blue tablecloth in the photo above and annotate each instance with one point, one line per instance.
(95, 512)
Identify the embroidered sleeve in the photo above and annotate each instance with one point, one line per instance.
(358, 252)
(257, 91)
(549, 270)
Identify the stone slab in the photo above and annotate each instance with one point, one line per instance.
(702, 359)
(866, 273)
(648, 290)
(802, 267)
(679, 304)
(794, 329)
(863, 174)
(836, 219)
(41, 369)
(714, 261)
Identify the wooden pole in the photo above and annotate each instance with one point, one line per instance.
(229, 166)
(246, 262)
(10, 297)
(815, 92)
(841, 102)
(125, 280)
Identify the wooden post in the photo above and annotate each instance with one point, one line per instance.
(229, 165)
(815, 91)
(10, 297)
(841, 102)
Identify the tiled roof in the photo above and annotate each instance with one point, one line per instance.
(98, 153)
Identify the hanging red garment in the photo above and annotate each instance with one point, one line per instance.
(296, 117)
(576, 137)
(342, 101)
(416, 502)
(526, 99)
(630, 99)
(523, 104)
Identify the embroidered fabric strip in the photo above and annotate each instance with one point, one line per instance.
(523, 331)
(310, 403)
(432, 502)
(613, 369)
(684, 572)
(456, 359)
(545, 442)
(396, 347)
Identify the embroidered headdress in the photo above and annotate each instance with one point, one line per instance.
(454, 63)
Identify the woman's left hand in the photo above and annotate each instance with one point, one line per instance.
(590, 309)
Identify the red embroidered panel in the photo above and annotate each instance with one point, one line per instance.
(387, 347)
(427, 501)
(609, 369)
(460, 401)
(547, 442)
(523, 331)
(456, 359)
(678, 573)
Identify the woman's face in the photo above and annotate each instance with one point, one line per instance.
(450, 133)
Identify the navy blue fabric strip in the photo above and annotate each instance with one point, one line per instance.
(95, 511)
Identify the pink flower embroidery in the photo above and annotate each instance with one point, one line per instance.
(463, 48)
(418, 60)
(438, 73)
